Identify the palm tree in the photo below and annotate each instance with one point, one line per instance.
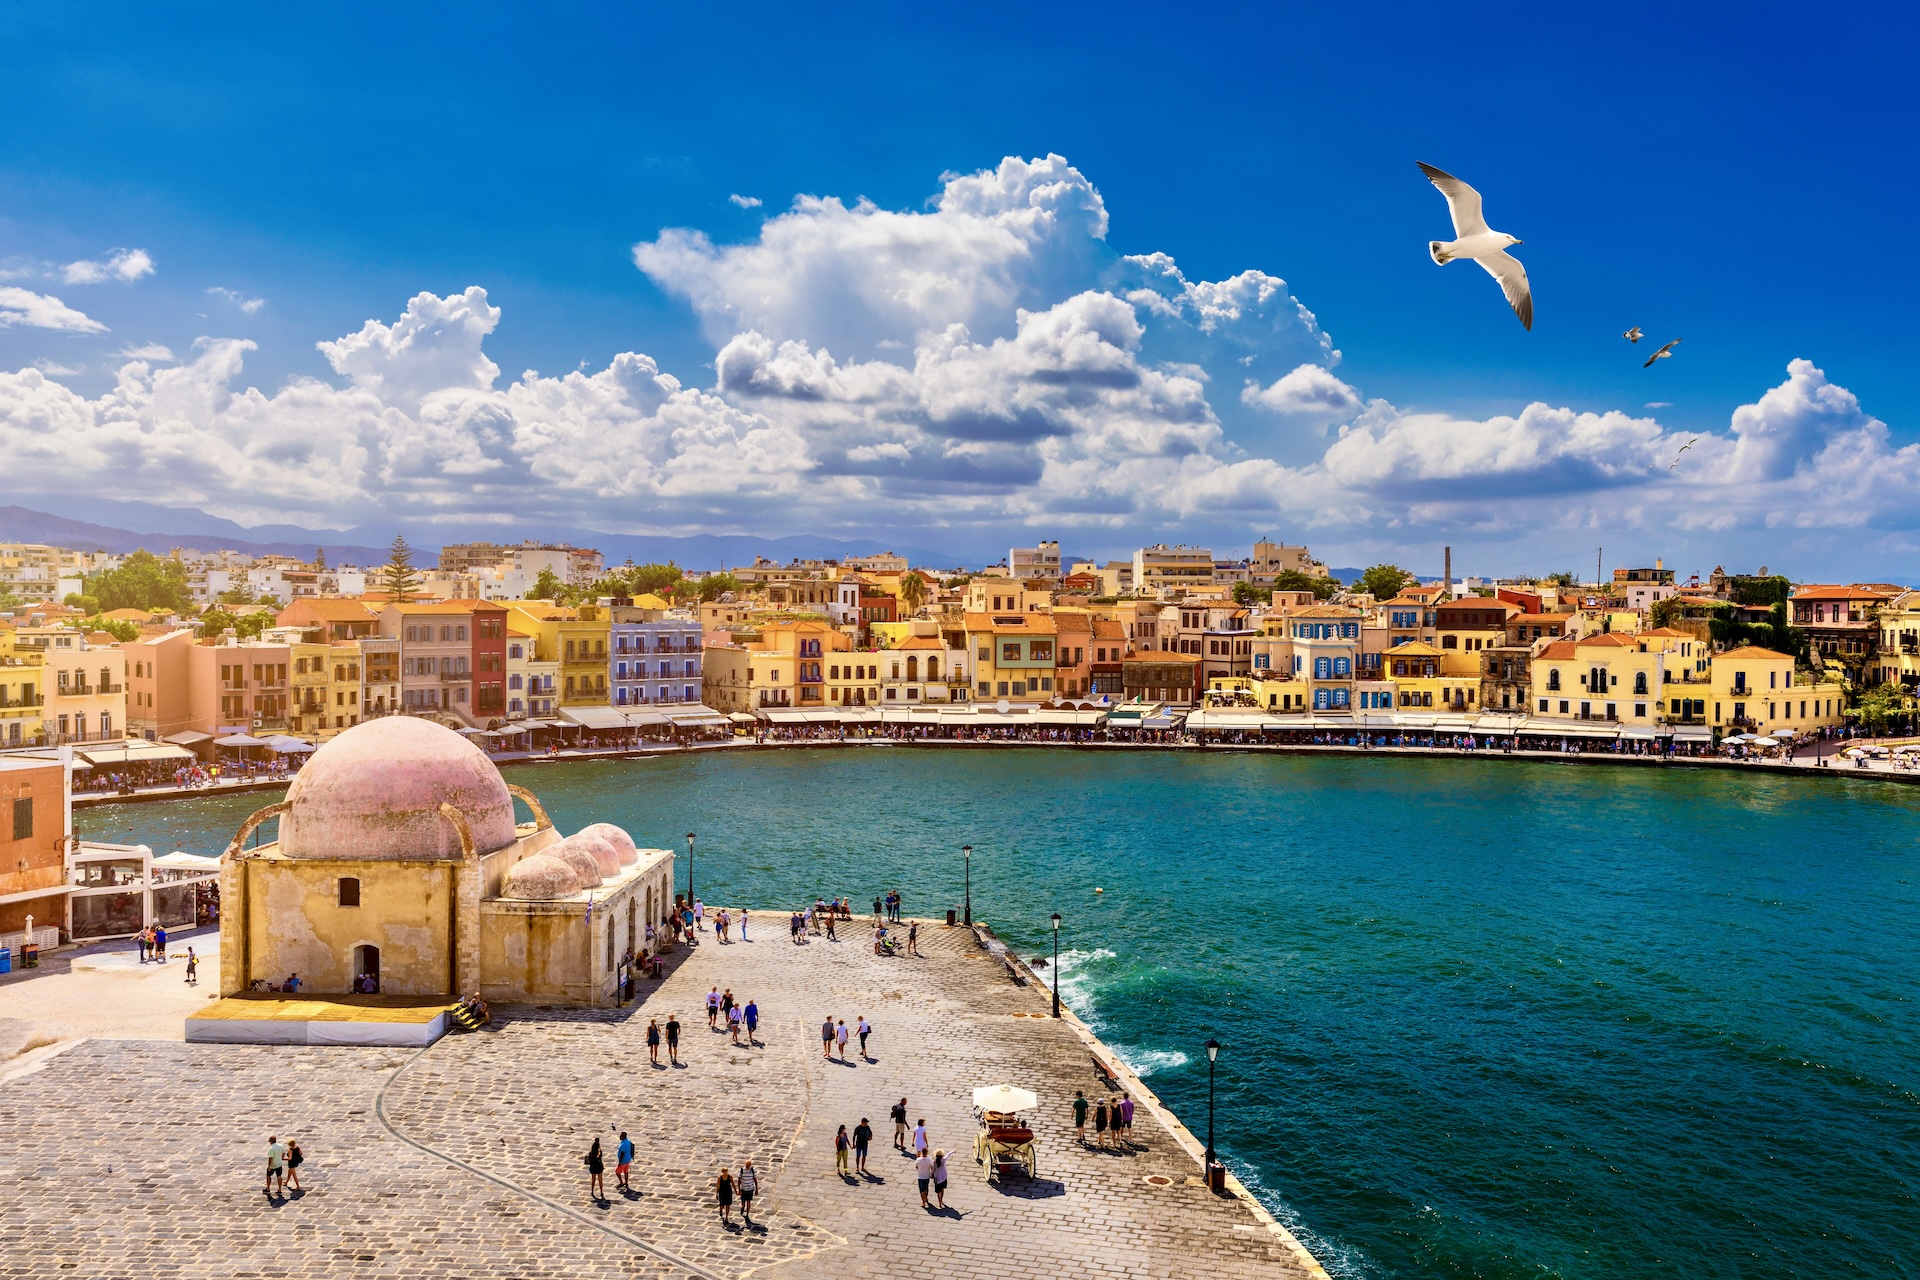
(913, 592)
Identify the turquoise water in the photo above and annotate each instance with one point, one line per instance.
(1482, 1018)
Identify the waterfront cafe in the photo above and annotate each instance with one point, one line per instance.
(119, 889)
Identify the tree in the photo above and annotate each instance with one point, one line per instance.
(89, 605)
(913, 592)
(398, 579)
(1245, 593)
(546, 586)
(715, 585)
(235, 596)
(143, 581)
(1773, 589)
(1323, 588)
(249, 625)
(215, 621)
(1383, 581)
(320, 558)
(123, 631)
(654, 579)
(1880, 705)
(1665, 613)
(1564, 578)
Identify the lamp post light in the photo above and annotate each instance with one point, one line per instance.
(1213, 1055)
(689, 870)
(1056, 964)
(966, 851)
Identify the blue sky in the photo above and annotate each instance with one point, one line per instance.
(1732, 176)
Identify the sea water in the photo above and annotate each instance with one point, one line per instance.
(1482, 1018)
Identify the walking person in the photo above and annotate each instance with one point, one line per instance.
(596, 1172)
(713, 1007)
(1100, 1124)
(920, 1137)
(276, 1165)
(673, 1039)
(749, 1183)
(1126, 1120)
(160, 944)
(142, 941)
(826, 1039)
(840, 1037)
(923, 1171)
(743, 924)
(899, 1114)
(723, 1193)
(295, 1158)
(623, 1161)
(913, 938)
(193, 968)
(842, 1144)
(1080, 1117)
(653, 1040)
(940, 1178)
(865, 1031)
(862, 1139)
(751, 1016)
(734, 1020)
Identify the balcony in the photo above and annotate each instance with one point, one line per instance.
(34, 700)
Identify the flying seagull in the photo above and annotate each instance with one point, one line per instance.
(1633, 334)
(1676, 457)
(1472, 239)
(1661, 354)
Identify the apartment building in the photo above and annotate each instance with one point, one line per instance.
(237, 686)
(86, 689)
(436, 656)
(22, 691)
(787, 666)
(1006, 595)
(532, 681)
(577, 566)
(36, 823)
(656, 656)
(1041, 561)
(158, 704)
(1013, 655)
(1163, 571)
(1466, 628)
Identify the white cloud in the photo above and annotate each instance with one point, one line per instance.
(238, 299)
(745, 202)
(147, 351)
(987, 364)
(122, 264)
(1659, 404)
(53, 368)
(43, 311)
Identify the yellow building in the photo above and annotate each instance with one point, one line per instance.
(1611, 677)
(854, 680)
(1417, 671)
(22, 692)
(1013, 655)
(1006, 595)
(1755, 690)
(576, 639)
(532, 681)
(1897, 660)
(309, 688)
(85, 688)
(787, 666)
(1277, 692)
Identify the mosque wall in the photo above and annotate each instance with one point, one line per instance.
(297, 923)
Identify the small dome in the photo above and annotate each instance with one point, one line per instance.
(539, 877)
(603, 851)
(618, 838)
(375, 792)
(586, 867)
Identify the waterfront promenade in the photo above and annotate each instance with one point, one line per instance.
(1819, 759)
(143, 1158)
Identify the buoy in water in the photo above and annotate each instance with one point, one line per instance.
(1097, 889)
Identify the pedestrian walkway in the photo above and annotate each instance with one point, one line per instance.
(516, 1106)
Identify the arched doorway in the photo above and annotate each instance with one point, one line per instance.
(366, 964)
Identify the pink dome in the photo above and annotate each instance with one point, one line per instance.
(604, 851)
(586, 867)
(619, 839)
(375, 792)
(539, 877)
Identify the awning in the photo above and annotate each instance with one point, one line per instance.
(240, 740)
(1452, 724)
(470, 732)
(1275, 724)
(1691, 733)
(188, 738)
(1572, 728)
(595, 717)
(1164, 720)
(645, 719)
(823, 717)
(134, 753)
(898, 715)
(1637, 734)
(287, 745)
(699, 722)
(860, 715)
(743, 717)
(785, 715)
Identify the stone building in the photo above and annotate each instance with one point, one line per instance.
(400, 860)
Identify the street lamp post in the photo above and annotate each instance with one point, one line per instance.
(1213, 1054)
(689, 870)
(1056, 964)
(966, 851)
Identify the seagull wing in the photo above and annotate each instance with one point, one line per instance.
(1463, 202)
(1506, 268)
(1661, 354)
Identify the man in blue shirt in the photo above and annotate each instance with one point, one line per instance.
(752, 1015)
(623, 1158)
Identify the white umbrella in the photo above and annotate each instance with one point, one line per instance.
(239, 740)
(1004, 1098)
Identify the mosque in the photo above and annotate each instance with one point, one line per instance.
(401, 868)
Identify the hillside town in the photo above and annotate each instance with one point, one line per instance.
(147, 664)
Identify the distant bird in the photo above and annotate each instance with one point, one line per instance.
(1633, 334)
(1472, 239)
(1676, 457)
(1662, 353)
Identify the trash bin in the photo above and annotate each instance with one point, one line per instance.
(1217, 1178)
(30, 956)
(953, 916)
(6, 959)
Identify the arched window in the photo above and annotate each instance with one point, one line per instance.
(1640, 682)
(1553, 680)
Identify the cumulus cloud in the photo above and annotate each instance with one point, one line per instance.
(745, 202)
(125, 265)
(43, 311)
(985, 363)
(238, 299)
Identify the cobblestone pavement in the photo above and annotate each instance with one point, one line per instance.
(140, 1159)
